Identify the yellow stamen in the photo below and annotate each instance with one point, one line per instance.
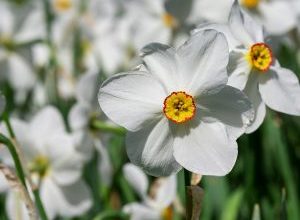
(169, 20)
(260, 56)
(179, 107)
(62, 5)
(251, 4)
(39, 165)
(167, 213)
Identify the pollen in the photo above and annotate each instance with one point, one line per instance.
(39, 165)
(260, 57)
(179, 107)
(62, 5)
(169, 20)
(250, 4)
(167, 213)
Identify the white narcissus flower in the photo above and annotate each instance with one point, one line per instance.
(270, 14)
(266, 12)
(19, 26)
(80, 117)
(66, 82)
(157, 206)
(179, 111)
(254, 69)
(162, 19)
(66, 18)
(208, 10)
(107, 32)
(53, 163)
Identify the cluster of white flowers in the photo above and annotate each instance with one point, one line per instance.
(202, 74)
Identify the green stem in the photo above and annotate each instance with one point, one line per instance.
(8, 125)
(39, 204)
(99, 125)
(111, 215)
(4, 140)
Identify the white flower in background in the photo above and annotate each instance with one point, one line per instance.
(162, 19)
(40, 54)
(107, 34)
(65, 7)
(66, 82)
(210, 10)
(19, 26)
(277, 16)
(157, 205)
(179, 111)
(67, 13)
(53, 164)
(254, 69)
(267, 12)
(80, 117)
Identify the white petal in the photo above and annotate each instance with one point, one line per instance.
(41, 126)
(15, 207)
(86, 88)
(3, 183)
(231, 107)
(272, 18)
(210, 10)
(84, 143)
(51, 196)
(156, 31)
(251, 90)
(7, 19)
(21, 75)
(280, 90)
(203, 60)
(224, 29)
(78, 203)
(132, 99)
(41, 54)
(24, 138)
(243, 27)
(152, 149)
(104, 163)
(110, 52)
(79, 116)
(66, 164)
(160, 60)
(32, 27)
(166, 192)
(205, 148)
(139, 211)
(136, 178)
(238, 70)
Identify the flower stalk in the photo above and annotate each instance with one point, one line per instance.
(104, 127)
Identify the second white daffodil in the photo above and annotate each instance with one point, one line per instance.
(254, 69)
(178, 109)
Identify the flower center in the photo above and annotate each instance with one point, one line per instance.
(251, 4)
(260, 56)
(39, 165)
(169, 20)
(62, 5)
(167, 213)
(179, 107)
